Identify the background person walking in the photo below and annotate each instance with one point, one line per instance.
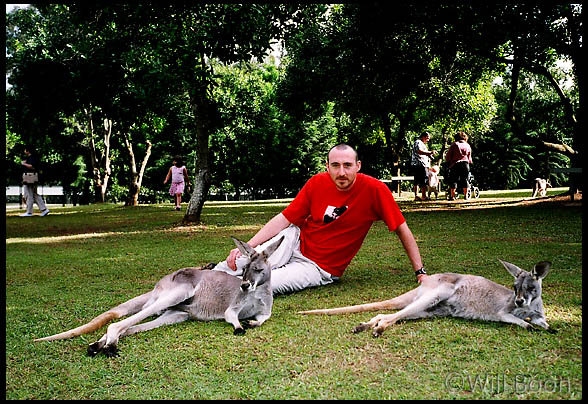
(30, 181)
(179, 177)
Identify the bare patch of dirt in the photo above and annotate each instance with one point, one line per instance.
(562, 200)
(558, 200)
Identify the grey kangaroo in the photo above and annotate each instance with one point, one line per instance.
(190, 293)
(466, 296)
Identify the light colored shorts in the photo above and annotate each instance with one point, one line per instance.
(291, 271)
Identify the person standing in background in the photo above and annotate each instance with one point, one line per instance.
(420, 162)
(459, 157)
(30, 181)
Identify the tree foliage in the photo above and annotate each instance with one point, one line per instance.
(109, 93)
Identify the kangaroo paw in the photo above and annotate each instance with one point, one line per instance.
(94, 348)
(239, 331)
(360, 328)
(247, 324)
(110, 351)
(378, 331)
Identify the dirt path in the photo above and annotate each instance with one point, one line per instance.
(487, 203)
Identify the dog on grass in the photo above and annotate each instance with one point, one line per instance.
(433, 181)
(540, 186)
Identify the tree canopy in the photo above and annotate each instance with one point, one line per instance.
(108, 93)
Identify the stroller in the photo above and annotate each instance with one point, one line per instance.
(473, 190)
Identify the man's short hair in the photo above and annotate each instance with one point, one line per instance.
(342, 146)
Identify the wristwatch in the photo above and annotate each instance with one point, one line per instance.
(420, 272)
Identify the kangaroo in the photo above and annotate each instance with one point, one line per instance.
(190, 293)
(466, 296)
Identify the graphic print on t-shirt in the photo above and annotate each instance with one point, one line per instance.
(332, 213)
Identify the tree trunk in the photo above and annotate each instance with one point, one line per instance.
(136, 177)
(100, 164)
(444, 144)
(201, 106)
(393, 156)
(199, 195)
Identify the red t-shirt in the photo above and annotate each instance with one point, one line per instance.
(334, 223)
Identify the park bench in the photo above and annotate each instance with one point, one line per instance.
(394, 183)
(574, 177)
(49, 193)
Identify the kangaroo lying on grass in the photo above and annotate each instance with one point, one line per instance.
(466, 296)
(190, 293)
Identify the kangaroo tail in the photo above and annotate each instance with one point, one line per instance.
(93, 325)
(386, 304)
(129, 307)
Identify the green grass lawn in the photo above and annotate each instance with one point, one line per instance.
(64, 269)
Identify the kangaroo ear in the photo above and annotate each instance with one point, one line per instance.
(541, 269)
(511, 268)
(273, 247)
(243, 247)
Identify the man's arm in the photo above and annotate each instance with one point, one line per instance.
(30, 163)
(270, 229)
(411, 248)
(426, 152)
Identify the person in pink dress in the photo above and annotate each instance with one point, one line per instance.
(179, 178)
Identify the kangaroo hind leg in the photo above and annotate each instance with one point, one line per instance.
(417, 309)
(157, 304)
(168, 317)
(399, 302)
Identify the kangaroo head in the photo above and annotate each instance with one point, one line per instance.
(527, 285)
(258, 269)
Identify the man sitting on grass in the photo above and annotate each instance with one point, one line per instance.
(325, 225)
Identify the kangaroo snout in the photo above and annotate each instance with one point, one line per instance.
(520, 300)
(245, 285)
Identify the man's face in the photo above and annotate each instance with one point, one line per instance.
(343, 167)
